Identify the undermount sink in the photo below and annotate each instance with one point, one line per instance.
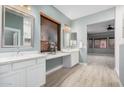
(19, 54)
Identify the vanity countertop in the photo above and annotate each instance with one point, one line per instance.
(57, 55)
(17, 58)
(70, 50)
(47, 56)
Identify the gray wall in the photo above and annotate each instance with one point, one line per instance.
(80, 26)
(119, 32)
(121, 63)
(101, 51)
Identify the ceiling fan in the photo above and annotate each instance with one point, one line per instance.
(110, 28)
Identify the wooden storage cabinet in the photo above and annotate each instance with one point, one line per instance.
(29, 73)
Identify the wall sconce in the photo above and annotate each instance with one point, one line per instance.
(66, 28)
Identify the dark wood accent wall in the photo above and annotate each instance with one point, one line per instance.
(49, 27)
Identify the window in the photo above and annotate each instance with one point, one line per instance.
(100, 43)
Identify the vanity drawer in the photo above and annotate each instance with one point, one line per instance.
(24, 64)
(5, 68)
(41, 60)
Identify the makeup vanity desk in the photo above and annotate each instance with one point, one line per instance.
(70, 57)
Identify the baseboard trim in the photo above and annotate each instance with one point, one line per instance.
(85, 64)
(54, 69)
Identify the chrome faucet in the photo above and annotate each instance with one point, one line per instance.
(53, 47)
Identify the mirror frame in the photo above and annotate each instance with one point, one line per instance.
(3, 27)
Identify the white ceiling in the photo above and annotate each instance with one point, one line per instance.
(77, 11)
(99, 27)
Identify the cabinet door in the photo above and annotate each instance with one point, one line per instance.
(36, 75)
(74, 58)
(77, 57)
(13, 79)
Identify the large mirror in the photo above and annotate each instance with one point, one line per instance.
(73, 40)
(17, 28)
(66, 36)
(69, 38)
(66, 39)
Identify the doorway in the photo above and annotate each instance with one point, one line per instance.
(101, 43)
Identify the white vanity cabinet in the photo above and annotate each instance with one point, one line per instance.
(30, 73)
(72, 59)
(36, 75)
(13, 79)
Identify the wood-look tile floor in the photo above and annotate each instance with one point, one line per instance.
(99, 72)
